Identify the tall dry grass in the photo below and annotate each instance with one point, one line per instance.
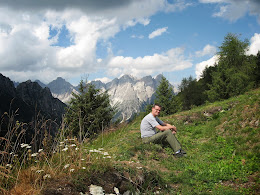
(16, 155)
(26, 167)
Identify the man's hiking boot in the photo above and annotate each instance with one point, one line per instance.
(180, 153)
(183, 151)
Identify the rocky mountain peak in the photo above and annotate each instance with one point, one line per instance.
(31, 92)
(59, 86)
(41, 99)
(127, 79)
(30, 102)
(6, 86)
(40, 83)
(149, 81)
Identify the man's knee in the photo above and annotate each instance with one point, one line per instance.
(168, 132)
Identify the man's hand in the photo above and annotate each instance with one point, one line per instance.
(167, 126)
(173, 132)
(172, 128)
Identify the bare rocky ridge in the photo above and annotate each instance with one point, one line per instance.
(40, 99)
(61, 89)
(29, 97)
(27, 102)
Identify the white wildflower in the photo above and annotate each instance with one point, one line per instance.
(106, 153)
(16, 155)
(139, 167)
(82, 159)
(76, 148)
(46, 176)
(83, 167)
(65, 149)
(91, 150)
(28, 147)
(8, 165)
(39, 171)
(72, 170)
(100, 148)
(11, 153)
(24, 145)
(40, 150)
(66, 166)
(116, 190)
(72, 145)
(34, 154)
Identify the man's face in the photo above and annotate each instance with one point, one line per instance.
(156, 111)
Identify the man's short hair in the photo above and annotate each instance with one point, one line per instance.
(157, 105)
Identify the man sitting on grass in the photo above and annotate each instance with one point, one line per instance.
(149, 134)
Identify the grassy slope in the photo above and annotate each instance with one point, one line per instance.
(222, 142)
(221, 139)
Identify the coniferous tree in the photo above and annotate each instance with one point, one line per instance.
(164, 96)
(89, 112)
(191, 93)
(234, 74)
(257, 69)
(230, 78)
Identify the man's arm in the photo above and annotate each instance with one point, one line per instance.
(167, 126)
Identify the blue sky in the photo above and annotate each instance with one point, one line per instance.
(107, 39)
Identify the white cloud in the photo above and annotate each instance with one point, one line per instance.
(202, 65)
(254, 47)
(212, 1)
(171, 60)
(137, 36)
(235, 9)
(157, 32)
(103, 80)
(27, 48)
(207, 50)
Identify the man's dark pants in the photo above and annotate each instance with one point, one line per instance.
(164, 135)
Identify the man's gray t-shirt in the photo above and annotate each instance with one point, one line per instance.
(148, 125)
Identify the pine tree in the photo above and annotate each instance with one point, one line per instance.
(257, 69)
(232, 76)
(164, 96)
(89, 112)
(191, 93)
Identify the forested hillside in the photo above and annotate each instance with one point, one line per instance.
(234, 73)
(221, 140)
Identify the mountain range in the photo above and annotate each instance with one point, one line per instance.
(129, 94)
